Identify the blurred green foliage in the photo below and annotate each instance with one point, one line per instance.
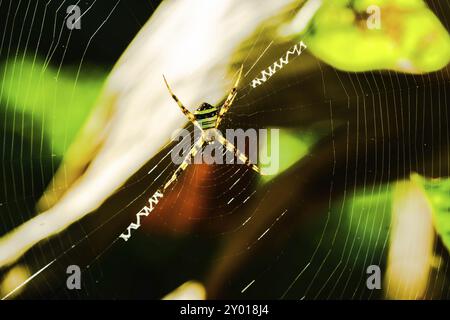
(438, 192)
(56, 98)
(293, 145)
(410, 38)
(369, 215)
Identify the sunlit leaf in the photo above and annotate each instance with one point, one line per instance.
(410, 38)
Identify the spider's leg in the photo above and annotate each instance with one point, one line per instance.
(187, 160)
(231, 147)
(227, 104)
(186, 112)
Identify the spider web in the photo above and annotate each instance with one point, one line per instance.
(308, 233)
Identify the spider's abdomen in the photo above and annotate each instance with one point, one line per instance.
(206, 117)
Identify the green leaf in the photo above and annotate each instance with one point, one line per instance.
(293, 145)
(438, 193)
(410, 38)
(56, 98)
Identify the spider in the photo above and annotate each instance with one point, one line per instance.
(207, 118)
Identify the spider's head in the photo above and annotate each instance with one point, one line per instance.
(206, 115)
(204, 106)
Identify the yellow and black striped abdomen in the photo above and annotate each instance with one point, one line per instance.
(206, 117)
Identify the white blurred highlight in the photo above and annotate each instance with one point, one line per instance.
(191, 290)
(11, 283)
(302, 19)
(411, 243)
